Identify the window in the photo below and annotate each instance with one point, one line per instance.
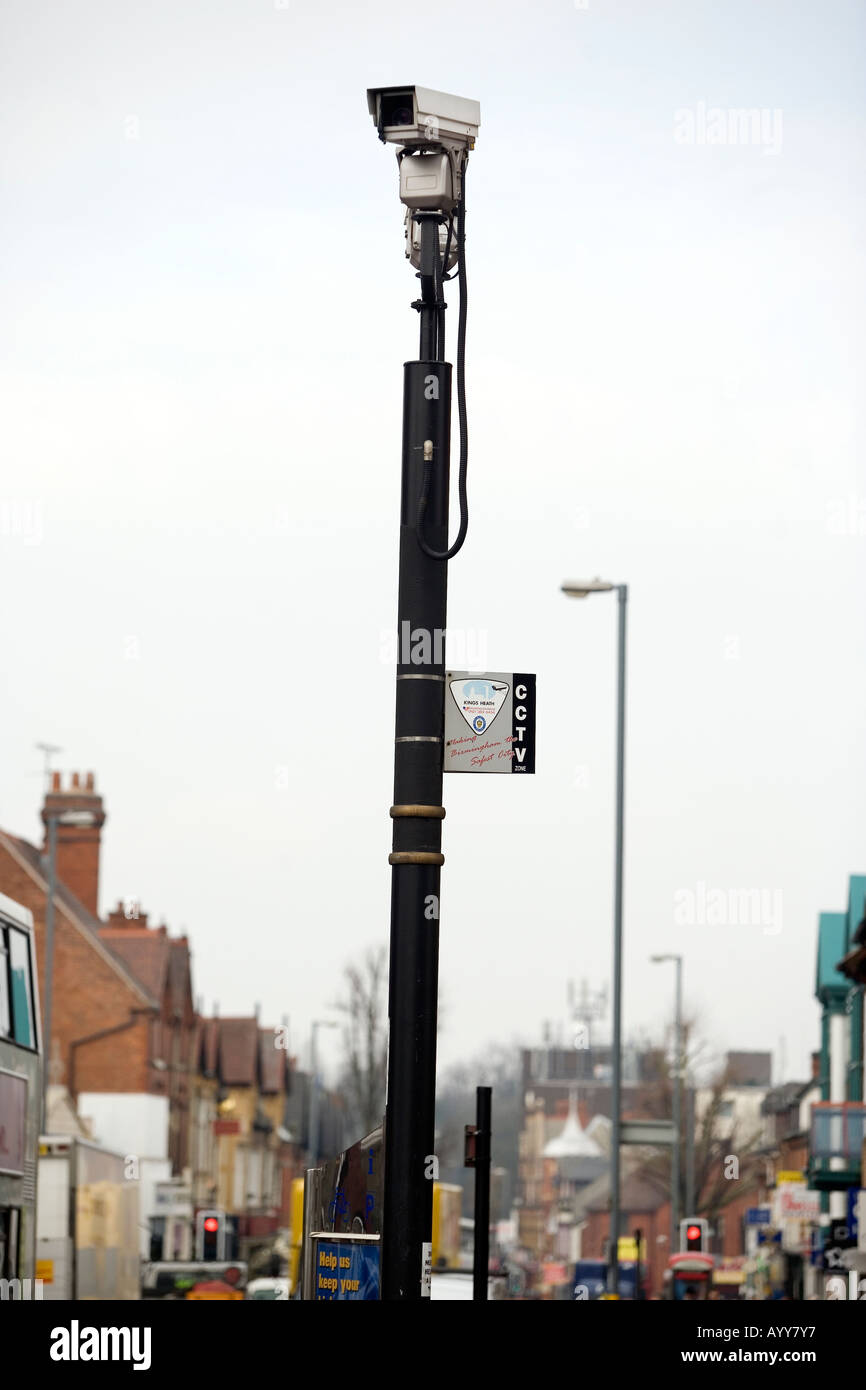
(157, 1237)
(5, 1012)
(269, 1197)
(239, 1193)
(9, 1243)
(23, 1027)
(254, 1178)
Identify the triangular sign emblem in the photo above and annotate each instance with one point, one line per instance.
(479, 699)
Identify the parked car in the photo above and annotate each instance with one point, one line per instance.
(279, 1289)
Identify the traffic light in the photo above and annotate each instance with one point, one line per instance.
(694, 1234)
(210, 1235)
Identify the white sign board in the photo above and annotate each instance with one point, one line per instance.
(794, 1201)
(489, 722)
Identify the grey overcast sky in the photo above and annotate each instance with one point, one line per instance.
(205, 313)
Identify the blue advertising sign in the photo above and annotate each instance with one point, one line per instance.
(345, 1267)
(757, 1216)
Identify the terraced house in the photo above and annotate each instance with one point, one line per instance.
(197, 1105)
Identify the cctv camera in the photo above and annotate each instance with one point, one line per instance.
(434, 132)
(417, 117)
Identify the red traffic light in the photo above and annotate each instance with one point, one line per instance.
(211, 1223)
(692, 1232)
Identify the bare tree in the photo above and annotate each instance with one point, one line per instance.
(715, 1140)
(364, 1007)
(499, 1067)
(716, 1143)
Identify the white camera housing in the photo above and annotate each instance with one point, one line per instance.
(427, 181)
(418, 116)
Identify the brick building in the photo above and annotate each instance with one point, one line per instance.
(162, 964)
(244, 1148)
(645, 1206)
(123, 1026)
(124, 1035)
(201, 1105)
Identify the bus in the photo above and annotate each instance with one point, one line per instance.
(20, 1100)
(590, 1280)
(729, 1277)
(689, 1275)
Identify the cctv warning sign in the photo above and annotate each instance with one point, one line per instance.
(489, 722)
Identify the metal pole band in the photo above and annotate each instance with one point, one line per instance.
(419, 812)
(415, 856)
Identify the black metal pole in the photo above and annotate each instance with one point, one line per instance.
(616, 1088)
(417, 813)
(481, 1252)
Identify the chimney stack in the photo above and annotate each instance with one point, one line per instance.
(80, 817)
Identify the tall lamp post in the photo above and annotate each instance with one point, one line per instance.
(435, 132)
(677, 1102)
(314, 1087)
(582, 588)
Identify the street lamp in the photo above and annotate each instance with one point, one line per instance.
(435, 132)
(314, 1088)
(678, 1064)
(582, 588)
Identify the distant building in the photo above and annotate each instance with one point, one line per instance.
(738, 1107)
(122, 1021)
(245, 1147)
(198, 1107)
(749, 1068)
(564, 1142)
(838, 1120)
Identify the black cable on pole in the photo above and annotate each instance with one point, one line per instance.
(438, 292)
(461, 406)
(448, 241)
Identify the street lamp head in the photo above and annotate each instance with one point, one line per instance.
(582, 588)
